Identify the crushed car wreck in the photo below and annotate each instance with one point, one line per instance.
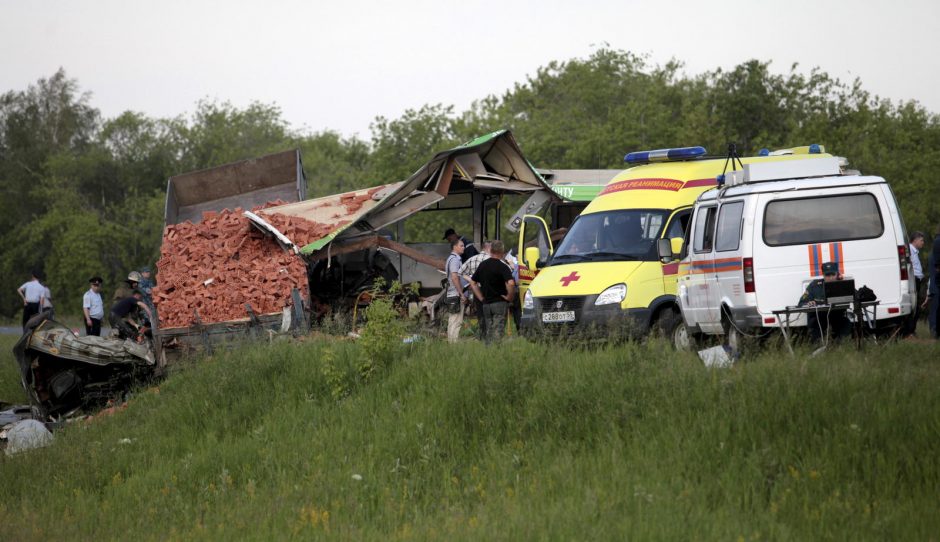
(63, 373)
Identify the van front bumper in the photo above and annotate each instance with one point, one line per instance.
(590, 321)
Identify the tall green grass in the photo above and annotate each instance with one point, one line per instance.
(11, 390)
(520, 441)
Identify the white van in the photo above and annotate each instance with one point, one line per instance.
(757, 241)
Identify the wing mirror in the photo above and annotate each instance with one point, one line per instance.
(669, 249)
(532, 258)
(664, 249)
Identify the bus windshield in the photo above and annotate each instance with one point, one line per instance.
(612, 236)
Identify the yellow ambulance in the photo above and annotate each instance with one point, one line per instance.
(606, 278)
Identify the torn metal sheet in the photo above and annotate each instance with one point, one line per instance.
(492, 162)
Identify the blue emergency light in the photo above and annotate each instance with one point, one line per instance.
(664, 155)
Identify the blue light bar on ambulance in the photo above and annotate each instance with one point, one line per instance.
(664, 155)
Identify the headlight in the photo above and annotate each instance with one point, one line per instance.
(614, 294)
(528, 302)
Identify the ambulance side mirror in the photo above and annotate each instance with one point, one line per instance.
(677, 244)
(664, 248)
(532, 258)
(669, 249)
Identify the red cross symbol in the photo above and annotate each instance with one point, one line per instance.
(570, 278)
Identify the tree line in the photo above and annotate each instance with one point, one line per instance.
(83, 195)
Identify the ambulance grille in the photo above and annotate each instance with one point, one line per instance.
(550, 304)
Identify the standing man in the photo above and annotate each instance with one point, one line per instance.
(32, 293)
(917, 243)
(454, 298)
(146, 286)
(495, 289)
(933, 274)
(514, 304)
(469, 250)
(93, 307)
(467, 270)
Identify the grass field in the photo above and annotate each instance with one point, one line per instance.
(524, 441)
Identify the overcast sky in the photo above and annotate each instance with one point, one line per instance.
(337, 65)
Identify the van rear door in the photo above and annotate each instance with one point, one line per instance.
(795, 234)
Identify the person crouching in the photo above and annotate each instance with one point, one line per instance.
(125, 314)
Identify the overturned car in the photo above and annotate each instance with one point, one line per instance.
(63, 373)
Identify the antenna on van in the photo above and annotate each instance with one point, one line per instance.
(732, 158)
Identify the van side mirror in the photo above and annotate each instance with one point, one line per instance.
(664, 249)
(532, 258)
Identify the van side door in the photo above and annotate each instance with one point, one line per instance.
(701, 252)
(727, 279)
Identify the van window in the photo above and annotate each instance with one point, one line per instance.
(821, 219)
(704, 230)
(728, 236)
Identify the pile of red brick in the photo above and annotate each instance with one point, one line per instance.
(218, 265)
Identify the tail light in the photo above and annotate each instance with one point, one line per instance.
(903, 260)
(748, 275)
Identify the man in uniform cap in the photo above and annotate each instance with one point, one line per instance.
(469, 250)
(822, 320)
(93, 307)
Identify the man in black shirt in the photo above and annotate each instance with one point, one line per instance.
(493, 285)
(122, 313)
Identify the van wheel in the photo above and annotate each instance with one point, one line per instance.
(682, 339)
(736, 341)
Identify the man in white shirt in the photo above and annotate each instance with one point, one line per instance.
(93, 307)
(917, 243)
(454, 297)
(32, 293)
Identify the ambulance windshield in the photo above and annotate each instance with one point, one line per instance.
(613, 235)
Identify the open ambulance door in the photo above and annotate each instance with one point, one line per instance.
(535, 247)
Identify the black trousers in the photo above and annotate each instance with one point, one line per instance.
(910, 325)
(820, 323)
(29, 310)
(481, 317)
(94, 328)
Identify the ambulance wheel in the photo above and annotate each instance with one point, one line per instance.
(670, 325)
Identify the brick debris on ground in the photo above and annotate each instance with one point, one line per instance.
(218, 265)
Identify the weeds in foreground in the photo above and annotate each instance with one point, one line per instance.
(519, 441)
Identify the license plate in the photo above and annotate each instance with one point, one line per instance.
(564, 316)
